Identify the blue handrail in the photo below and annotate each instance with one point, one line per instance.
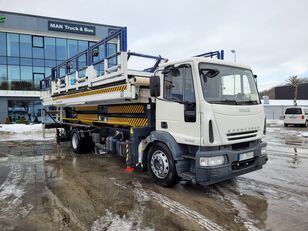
(211, 54)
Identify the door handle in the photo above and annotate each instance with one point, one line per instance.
(164, 124)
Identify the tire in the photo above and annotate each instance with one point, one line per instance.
(306, 123)
(81, 144)
(286, 125)
(161, 165)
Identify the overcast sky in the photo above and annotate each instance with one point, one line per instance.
(270, 36)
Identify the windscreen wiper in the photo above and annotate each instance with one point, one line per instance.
(225, 101)
(248, 102)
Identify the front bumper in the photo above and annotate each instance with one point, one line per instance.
(232, 168)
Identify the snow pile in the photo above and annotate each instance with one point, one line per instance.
(20, 128)
(20, 132)
(274, 123)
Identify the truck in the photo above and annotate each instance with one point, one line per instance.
(198, 119)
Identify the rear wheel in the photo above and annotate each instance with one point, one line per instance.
(81, 144)
(306, 123)
(161, 165)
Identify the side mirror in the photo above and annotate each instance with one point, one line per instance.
(155, 86)
(255, 76)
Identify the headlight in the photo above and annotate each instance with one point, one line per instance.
(212, 161)
(263, 151)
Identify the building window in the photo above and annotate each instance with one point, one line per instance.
(12, 44)
(2, 44)
(3, 78)
(26, 78)
(13, 77)
(38, 52)
(50, 48)
(37, 77)
(61, 49)
(25, 46)
(26, 61)
(13, 61)
(72, 48)
(82, 46)
(37, 41)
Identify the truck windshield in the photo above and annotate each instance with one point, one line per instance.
(228, 85)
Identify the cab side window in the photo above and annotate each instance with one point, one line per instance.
(179, 86)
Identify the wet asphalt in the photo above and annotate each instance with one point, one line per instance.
(45, 186)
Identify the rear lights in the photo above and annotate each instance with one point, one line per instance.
(303, 117)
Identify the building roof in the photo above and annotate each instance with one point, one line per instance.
(61, 19)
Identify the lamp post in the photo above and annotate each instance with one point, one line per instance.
(233, 51)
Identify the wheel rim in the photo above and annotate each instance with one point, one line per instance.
(74, 141)
(160, 164)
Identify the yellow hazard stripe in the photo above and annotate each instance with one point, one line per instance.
(137, 109)
(136, 122)
(133, 122)
(93, 92)
(87, 116)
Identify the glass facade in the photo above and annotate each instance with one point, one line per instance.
(27, 59)
(28, 110)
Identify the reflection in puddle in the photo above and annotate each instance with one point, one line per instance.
(294, 140)
(295, 158)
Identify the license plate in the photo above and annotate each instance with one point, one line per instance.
(245, 156)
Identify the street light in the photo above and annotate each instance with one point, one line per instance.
(233, 51)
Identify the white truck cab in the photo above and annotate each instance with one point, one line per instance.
(213, 108)
(296, 116)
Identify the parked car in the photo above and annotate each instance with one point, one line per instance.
(296, 116)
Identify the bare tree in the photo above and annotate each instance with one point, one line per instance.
(294, 81)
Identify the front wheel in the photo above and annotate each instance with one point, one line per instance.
(161, 165)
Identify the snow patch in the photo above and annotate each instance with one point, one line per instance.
(274, 123)
(20, 132)
(112, 222)
(21, 128)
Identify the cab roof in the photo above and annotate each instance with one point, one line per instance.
(205, 60)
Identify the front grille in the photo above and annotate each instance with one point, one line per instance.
(241, 135)
(238, 165)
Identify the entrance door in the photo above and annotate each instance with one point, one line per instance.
(176, 109)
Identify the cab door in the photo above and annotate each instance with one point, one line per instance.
(177, 108)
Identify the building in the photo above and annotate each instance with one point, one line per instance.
(287, 92)
(30, 46)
